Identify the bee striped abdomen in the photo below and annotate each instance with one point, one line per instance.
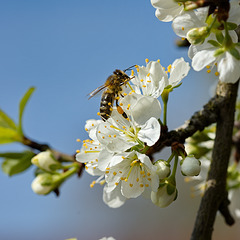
(106, 104)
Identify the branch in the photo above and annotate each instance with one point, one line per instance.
(215, 197)
(201, 119)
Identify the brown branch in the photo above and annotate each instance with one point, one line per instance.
(215, 197)
(201, 119)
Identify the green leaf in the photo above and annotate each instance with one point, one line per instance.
(22, 105)
(219, 37)
(234, 52)
(12, 155)
(8, 135)
(15, 166)
(214, 43)
(231, 26)
(6, 121)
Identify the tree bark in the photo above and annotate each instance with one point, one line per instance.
(215, 197)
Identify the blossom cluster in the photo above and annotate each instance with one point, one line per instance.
(214, 43)
(116, 151)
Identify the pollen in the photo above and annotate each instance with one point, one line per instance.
(148, 174)
(158, 60)
(128, 106)
(78, 140)
(109, 136)
(99, 131)
(121, 104)
(117, 98)
(132, 73)
(148, 81)
(141, 80)
(103, 137)
(92, 184)
(169, 68)
(146, 60)
(107, 172)
(114, 135)
(216, 73)
(125, 94)
(77, 151)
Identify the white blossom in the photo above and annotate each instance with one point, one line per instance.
(133, 172)
(166, 11)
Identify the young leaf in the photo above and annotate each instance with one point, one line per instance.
(8, 135)
(22, 105)
(6, 121)
(15, 166)
(12, 155)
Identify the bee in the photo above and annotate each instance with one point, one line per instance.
(112, 90)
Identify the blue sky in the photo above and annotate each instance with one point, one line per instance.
(66, 49)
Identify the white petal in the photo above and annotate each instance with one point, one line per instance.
(229, 69)
(113, 199)
(138, 103)
(132, 188)
(150, 132)
(179, 70)
(202, 59)
(104, 159)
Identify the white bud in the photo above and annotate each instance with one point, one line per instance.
(190, 166)
(46, 161)
(163, 168)
(197, 35)
(165, 195)
(44, 183)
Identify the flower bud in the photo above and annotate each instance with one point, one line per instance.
(163, 168)
(46, 161)
(197, 35)
(166, 194)
(190, 166)
(44, 183)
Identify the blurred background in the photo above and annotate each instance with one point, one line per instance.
(66, 49)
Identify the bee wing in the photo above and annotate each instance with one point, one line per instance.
(97, 90)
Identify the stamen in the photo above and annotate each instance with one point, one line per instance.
(146, 60)
(77, 151)
(78, 140)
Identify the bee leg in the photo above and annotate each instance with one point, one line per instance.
(120, 110)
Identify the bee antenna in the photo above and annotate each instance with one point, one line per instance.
(129, 68)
